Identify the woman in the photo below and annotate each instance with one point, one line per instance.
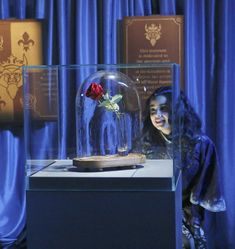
(198, 159)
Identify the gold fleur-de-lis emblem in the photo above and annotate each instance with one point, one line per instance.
(1, 42)
(153, 33)
(26, 42)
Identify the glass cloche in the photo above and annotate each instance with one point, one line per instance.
(108, 117)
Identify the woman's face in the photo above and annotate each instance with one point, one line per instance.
(159, 114)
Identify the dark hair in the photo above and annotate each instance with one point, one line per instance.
(187, 123)
(190, 123)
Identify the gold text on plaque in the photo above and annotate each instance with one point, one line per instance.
(26, 42)
(153, 33)
(1, 42)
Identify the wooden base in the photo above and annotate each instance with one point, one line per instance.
(109, 161)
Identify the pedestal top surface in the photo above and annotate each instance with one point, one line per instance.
(61, 174)
(64, 168)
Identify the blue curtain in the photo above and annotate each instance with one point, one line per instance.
(83, 32)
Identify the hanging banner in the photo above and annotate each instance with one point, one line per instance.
(20, 45)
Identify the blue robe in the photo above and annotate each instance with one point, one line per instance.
(201, 186)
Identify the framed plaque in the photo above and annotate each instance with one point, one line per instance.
(41, 93)
(153, 39)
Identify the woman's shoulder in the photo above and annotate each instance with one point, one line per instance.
(204, 143)
(203, 138)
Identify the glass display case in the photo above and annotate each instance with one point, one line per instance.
(94, 160)
(97, 114)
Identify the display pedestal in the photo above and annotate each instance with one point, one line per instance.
(120, 209)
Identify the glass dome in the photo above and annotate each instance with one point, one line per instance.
(108, 114)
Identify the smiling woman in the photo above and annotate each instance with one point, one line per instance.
(159, 114)
(157, 131)
(199, 162)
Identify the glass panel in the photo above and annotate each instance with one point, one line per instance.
(86, 111)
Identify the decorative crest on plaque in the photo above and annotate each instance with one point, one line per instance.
(153, 33)
(11, 75)
(2, 104)
(1, 42)
(26, 42)
(29, 101)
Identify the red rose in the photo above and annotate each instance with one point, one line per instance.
(95, 91)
